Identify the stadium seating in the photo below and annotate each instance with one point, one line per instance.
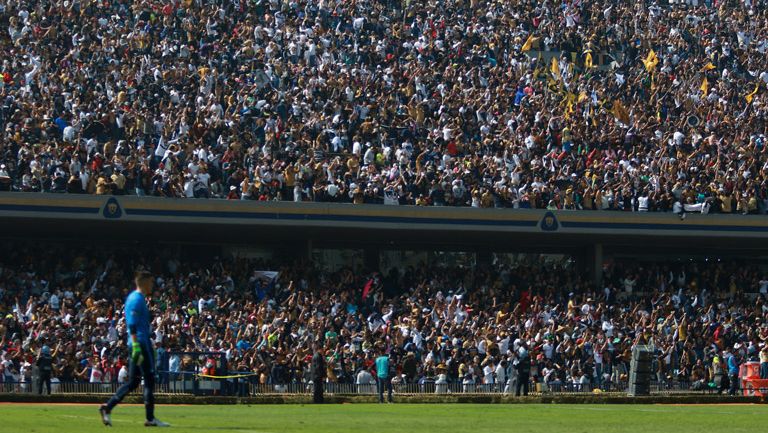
(447, 329)
(483, 104)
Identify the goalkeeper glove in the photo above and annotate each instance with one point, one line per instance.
(136, 355)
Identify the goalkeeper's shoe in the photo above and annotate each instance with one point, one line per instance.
(156, 423)
(106, 418)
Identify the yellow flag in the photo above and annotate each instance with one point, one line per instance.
(620, 112)
(704, 87)
(555, 86)
(528, 42)
(588, 60)
(651, 61)
(708, 67)
(750, 96)
(555, 68)
(570, 98)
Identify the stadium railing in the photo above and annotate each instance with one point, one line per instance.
(188, 384)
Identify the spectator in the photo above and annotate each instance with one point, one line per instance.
(365, 382)
(523, 363)
(733, 370)
(521, 106)
(384, 379)
(461, 327)
(319, 374)
(45, 369)
(764, 362)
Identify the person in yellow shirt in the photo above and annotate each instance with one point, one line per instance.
(727, 202)
(752, 204)
(572, 308)
(353, 165)
(289, 173)
(486, 200)
(742, 204)
(102, 187)
(588, 200)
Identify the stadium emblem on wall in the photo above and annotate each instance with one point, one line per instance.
(549, 222)
(112, 209)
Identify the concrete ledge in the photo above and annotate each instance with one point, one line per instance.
(247, 222)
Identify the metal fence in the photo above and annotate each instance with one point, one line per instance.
(190, 384)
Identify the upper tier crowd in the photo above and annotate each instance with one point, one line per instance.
(469, 327)
(644, 105)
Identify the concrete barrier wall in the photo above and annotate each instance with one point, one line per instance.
(539, 222)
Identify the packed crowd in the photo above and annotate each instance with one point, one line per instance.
(473, 328)
(630, 105)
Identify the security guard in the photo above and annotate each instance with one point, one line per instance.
(318, 373)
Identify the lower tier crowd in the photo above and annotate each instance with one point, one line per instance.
(483, 327)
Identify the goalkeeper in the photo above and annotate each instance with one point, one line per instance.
(142, 361)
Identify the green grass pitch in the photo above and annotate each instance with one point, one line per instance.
(372, 418)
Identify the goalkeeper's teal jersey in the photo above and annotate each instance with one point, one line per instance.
(137, 317)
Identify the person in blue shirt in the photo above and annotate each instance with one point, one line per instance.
(141, 363)
(382, 376)
(733, 371)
